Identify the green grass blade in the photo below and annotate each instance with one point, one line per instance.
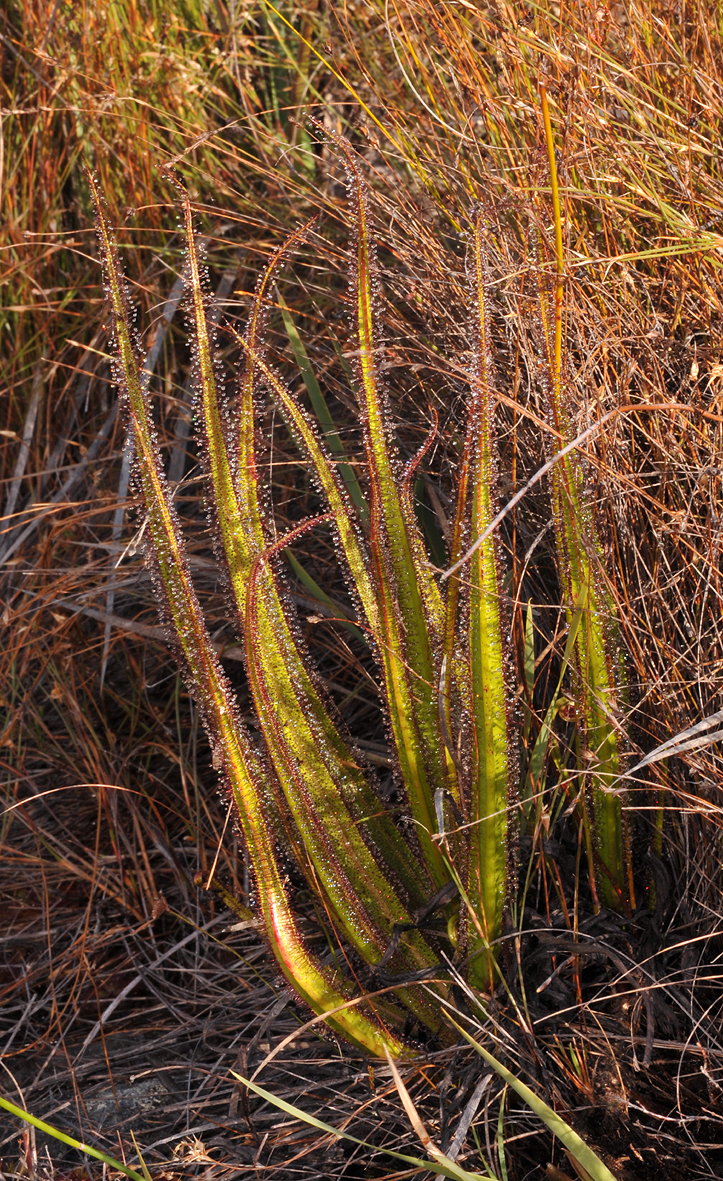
(443, 1166)
(501, 1138)
(319, 593)
(557, 1125)
(428, 523)
(323, 415)
(144, 1167)
(539, 751)
(529, 651)
(434, 606)
(49, 1130)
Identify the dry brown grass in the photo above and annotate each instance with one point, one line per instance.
(110, 802)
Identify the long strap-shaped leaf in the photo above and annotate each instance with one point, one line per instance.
(440, 619)
(580, 555)
(354, 883)
(249, 510)
(233, 752)
(433, 602)
(325, 789)
(410, 673)
(491, 787)
(396, 853)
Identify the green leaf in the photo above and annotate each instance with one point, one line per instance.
(385, 836)
(491, 776)
(501, 1137)
(404, 637)
(144, 1166)
(330, 804)
(529, 652)
(542, 742)
(580, 557)
(322, 412)
(442, 1165)
(251, 787)
(313, 587)
(354, 882)
(557, 1125)
(49, 1130)
(429, 525)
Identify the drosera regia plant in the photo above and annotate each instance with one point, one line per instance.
(600, 670)
(300, 790)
